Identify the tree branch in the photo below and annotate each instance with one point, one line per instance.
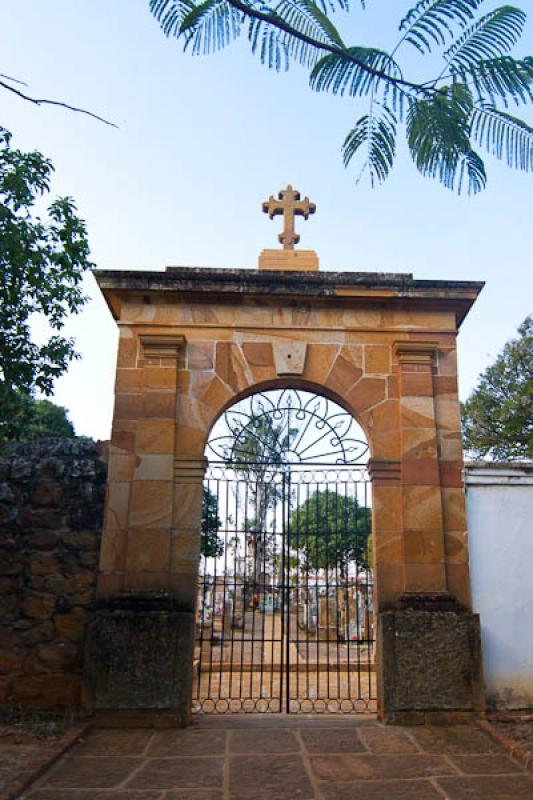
(40, 102)
(280, 23)
(13, 80)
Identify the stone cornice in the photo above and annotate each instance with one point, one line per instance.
(380, 289)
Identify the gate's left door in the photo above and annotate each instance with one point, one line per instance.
(240, 655)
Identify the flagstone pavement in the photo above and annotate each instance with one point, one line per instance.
(277, 757)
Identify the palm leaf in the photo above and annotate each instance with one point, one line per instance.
(336, 74)
(376, 130)
(306, 17)
(504, 77)
(490, 37)
(266, 40)
(276, 47)
(210, 26)
(432, 21)
(508, 138)
(170, 14)
(438, 135)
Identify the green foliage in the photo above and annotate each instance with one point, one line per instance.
(379, 133)
(431, 22)
(211, 545)
(438, 135)
(33, 419)
(332, 531)
(444, 117)
(42, 264)
(490, 37)
(498, 415)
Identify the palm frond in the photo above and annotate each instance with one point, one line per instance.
(506, 137)
(303, 16)
(273, 49)
(170, 14)
(504, 78)
(306, 17)
(337, 75)
(471, 166)
(328, 6)
(491, 36)
(438, 135)
(210, 26)
(376, 130)
(432, 21)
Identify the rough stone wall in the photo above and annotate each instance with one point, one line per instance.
(51, 507)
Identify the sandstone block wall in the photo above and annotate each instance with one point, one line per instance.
(51, 509)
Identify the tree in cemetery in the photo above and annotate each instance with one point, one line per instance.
(498, 416)
(456, 109)
(332, 531)
(211, 545)
(42, 260)
(259, 444)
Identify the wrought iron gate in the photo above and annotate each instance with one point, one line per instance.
(284, 613)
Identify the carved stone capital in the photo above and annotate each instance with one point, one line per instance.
(384, 472)
(157, 347)
(189, 470)
(415, 352)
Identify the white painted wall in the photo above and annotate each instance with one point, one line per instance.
(499, 505)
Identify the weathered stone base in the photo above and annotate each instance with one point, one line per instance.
(139, 659)
(429, 662)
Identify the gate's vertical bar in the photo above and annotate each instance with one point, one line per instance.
(282, 665)
(339, 555)
(232, 539)
(348, 606)
(298, 593)
(244, 584)
(287, 591)
(273, 626)
(203, 569)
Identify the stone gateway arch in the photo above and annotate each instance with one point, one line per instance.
(193, 341)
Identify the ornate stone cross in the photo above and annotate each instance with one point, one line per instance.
(290, 205)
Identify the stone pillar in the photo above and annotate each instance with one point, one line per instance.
(423, 533)
(428, 643)
(387, 540)
(140, 638)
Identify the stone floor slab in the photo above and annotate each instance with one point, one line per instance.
(489, 764)
(278, 721)
(381, 790)
(189, 742)
(91, 773)
(193, 794)
(332, 740)
(179, 773)
(97, 794)
(114, 743)
(271, 777)
(386, 741)
(459, 740)
(254, 741)
(369, 767)
(494, 787)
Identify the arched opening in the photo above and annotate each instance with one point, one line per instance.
(284, 609)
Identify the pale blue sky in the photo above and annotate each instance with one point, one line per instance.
(202, 141)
